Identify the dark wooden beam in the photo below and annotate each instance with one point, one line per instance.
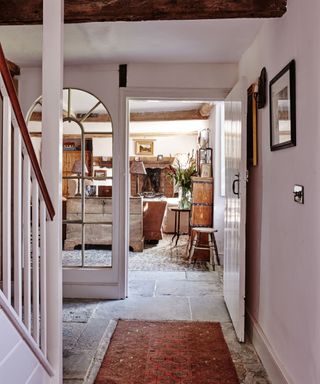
(18, 12)
(192, 114)
(13, 68)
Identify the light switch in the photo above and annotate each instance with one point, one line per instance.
(298, 194)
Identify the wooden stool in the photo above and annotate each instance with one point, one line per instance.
(214, 258)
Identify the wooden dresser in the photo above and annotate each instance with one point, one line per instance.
(99, 210)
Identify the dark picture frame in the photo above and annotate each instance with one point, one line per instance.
(282, 93)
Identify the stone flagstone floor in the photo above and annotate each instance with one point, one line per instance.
(165, 294)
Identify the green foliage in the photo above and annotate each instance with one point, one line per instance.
(182, 175)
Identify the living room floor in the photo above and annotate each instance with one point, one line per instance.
(165, 289)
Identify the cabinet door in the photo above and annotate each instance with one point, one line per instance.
(202, 202)
(69, 157)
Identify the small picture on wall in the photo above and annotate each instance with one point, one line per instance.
(144, 147)
(100, 173)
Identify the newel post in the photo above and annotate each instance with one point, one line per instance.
(52, 86)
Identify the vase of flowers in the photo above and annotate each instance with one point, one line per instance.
(184, 198)
(181, 173)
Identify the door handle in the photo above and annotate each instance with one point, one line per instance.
(234, 183)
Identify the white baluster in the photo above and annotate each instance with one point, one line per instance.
(43, 275)
(17, 196)
(35, 259)
(6, 202)
(26, 241)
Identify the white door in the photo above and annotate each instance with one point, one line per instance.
(235, 214)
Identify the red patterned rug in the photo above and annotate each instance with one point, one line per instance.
(154, 352)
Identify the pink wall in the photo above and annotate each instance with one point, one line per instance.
(283, 267)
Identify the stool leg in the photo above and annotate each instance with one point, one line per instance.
(211, 250)
(216, 249)
(194, 243)
(189, 245)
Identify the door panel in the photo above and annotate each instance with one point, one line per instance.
(235, 214)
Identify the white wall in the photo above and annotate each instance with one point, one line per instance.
(17, 362)
(168, 145)
(213, 76)
(283, 264)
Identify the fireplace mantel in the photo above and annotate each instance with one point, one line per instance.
(166, 185)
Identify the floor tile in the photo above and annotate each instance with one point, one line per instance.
(147, 308)
(90, 338)
(203, 276)
(155, 275)
(78, 311)
(209, 309)
(143, 288)
(76, 363)
(71, 333)
(186, 288)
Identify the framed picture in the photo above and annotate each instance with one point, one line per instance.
(100, 173)
(282, 92)
(206, 170)
(144, 147)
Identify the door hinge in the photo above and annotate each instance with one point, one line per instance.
(247, 176)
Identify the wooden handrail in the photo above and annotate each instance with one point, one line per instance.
(24, 133)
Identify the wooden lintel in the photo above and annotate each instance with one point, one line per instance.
(192, 114)
(84, 11)
(13, 68)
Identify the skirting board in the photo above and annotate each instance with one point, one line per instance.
(264, 350)
(91, 291)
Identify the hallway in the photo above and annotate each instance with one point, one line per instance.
(177, 295)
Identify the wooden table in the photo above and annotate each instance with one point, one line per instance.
(177, 213)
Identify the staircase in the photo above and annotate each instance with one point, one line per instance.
(25, 209)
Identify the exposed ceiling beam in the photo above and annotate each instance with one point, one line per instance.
(13, 68)
(193, 114)
(18, 12)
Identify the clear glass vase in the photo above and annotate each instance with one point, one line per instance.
(184, 198)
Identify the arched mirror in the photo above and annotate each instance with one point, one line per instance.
(86, 177)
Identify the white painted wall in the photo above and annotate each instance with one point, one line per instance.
(219, 200)
(283, 263)
(163, 145)
(168, 145)
(17, 362)
(213, 76)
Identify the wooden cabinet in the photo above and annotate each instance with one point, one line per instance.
(202, 202)
(69, 157)
(202, 212)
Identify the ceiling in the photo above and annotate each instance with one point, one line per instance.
(199, 41)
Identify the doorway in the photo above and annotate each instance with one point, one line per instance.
(163, 139)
